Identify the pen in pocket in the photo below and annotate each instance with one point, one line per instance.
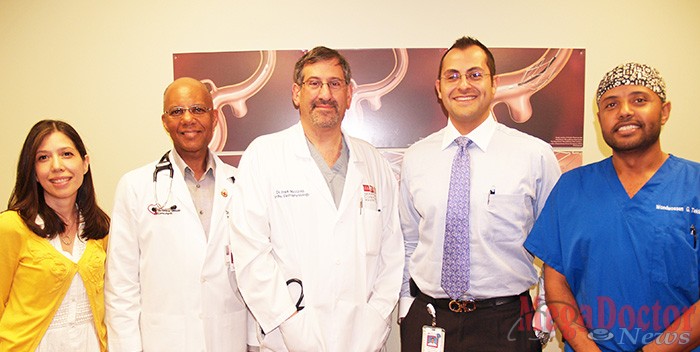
(694, 233)
(491, 192)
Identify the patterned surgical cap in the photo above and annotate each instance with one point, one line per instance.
(633, 74)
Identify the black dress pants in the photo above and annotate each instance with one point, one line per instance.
(503, 328)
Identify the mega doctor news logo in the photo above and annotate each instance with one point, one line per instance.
(623, 324)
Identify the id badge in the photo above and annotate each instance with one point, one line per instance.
(433, 339)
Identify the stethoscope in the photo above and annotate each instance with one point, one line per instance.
(299, 302)
(163, 164)
(301, 292)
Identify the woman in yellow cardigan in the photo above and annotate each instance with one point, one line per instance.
(52, 248)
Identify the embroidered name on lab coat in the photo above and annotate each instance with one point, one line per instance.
(291, 193)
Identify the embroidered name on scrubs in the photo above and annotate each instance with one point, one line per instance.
(687, 209)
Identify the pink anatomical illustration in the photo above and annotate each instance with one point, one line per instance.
(372, 92)
(235, 96)
(515, 88)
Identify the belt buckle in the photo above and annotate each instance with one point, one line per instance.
(462, 306)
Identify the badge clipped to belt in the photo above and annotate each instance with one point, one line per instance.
(433, 336)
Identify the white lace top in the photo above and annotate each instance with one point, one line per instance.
(72, 328)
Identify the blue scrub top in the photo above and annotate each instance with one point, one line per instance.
(632, 264)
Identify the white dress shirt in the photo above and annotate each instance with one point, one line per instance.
(511, 176)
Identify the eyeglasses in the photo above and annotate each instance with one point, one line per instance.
(454, 76)
(195, 110)
(316, 84)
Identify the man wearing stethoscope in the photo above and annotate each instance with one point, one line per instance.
(316, 214)
(169, 275)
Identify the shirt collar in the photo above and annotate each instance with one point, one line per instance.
(182, 166)
(480, 136)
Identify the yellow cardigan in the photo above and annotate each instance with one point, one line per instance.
(34, 278)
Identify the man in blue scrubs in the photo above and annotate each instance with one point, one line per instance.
(618, 237)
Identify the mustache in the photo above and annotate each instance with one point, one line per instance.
(330, 102)
(627, 123)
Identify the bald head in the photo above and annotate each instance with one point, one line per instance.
(187, 84)
(189, 118)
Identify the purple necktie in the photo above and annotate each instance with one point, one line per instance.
(455, 258)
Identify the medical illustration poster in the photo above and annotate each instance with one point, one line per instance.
(540, 92)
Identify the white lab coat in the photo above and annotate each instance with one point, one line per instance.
(350, 258)
(168, 287)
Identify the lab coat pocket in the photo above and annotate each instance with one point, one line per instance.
(302, 332)
(163, 332)
(369, 329)
(372, 231)
(227, 331)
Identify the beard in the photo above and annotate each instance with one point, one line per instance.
(325, 118)
(649, 137)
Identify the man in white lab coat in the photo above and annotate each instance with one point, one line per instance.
(318, 248)
(169, 280)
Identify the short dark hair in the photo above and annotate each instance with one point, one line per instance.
(320, 53)
(466, 42)
(27, 197)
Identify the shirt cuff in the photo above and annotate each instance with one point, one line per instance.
(405, 305)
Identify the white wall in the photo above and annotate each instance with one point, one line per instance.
(102, 66)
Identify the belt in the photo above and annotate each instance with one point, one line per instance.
(458, 306)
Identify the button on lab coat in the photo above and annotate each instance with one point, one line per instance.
(169, 286)
(349, 259)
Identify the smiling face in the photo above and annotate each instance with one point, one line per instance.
(190, 133)
(59, 169)
(322, 107)
(631, 118)
(467, 102)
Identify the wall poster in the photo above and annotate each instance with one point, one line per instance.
(541, 93)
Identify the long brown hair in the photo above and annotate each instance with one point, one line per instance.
(27, 197)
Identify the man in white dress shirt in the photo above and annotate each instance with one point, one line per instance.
(510, 176)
